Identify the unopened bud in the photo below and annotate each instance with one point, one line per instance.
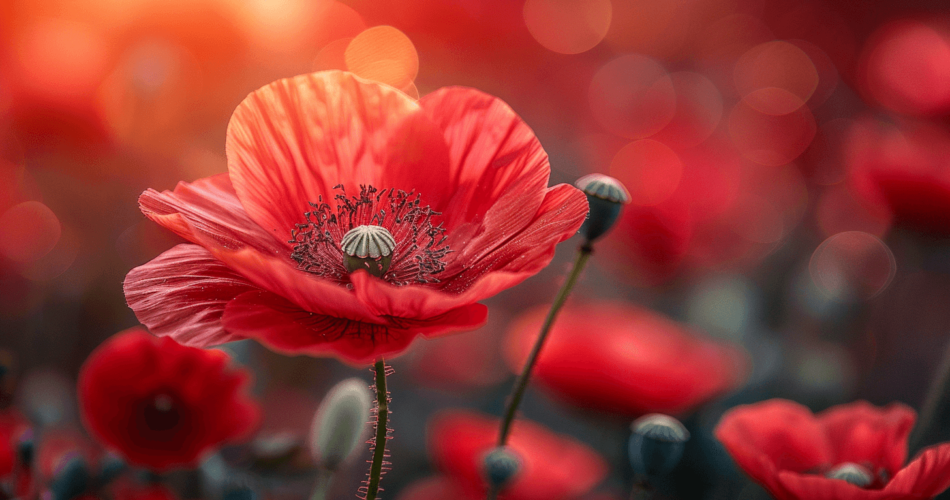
(656, 444)
(501, 466)
(340, 423)
(852, 473)
(606, 196)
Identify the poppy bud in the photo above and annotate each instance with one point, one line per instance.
(852, 473)
(340, 422)
(606, 196)
(501, 466)
(71, 479)
(656, 444)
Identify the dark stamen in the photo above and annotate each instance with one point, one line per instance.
(420, 245)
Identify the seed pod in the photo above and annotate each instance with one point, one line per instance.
(501, 466)
(852, 473)
(656, 444)
(606, 197)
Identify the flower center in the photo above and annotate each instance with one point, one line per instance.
(852, 473)
(387, 233)
(161, 414)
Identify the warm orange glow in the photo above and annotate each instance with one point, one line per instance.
(568, 26)
(384, 54)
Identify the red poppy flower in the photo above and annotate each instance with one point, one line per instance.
(552, 466)
(790, 451)
(904, 171)
(450, 192)
(622, 359)
(161, 404)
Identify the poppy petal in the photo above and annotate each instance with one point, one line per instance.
(208, 209)
(284, 327)
(524, 250)
(862, 433)
(773, 435)
(926, 476)
(813, 487)
(182, 293)
(491, 150)
(307, 292)
(290, 142)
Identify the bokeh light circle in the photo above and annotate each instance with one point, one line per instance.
(771, 139)
(649, 169)
(568, 26)
(908, 68)
(60, 59)
(632, 96)
(698, 110)
(383, 54)
(780, 65)
(28, 231)
(852, 265)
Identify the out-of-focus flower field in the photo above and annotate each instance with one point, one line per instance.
(787, 164)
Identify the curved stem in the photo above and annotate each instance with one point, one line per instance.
(517, 393)
(322, 488)
(382, 417)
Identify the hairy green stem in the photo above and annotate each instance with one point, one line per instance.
(382, 417)
(517, 393)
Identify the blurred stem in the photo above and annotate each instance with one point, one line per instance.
(382, 427)
(641, 490)
(322, 488)
(936, 407)
(517, 393)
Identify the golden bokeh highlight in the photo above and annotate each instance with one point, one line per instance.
(568, 26)
(383, 54)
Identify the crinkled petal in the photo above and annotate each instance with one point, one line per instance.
(491, 150)
(182, 294)
(862, 433)
(290, 142)
(774, 435)
(526, 250)
(208, 210)
(307, 292)
(926, 476)
(284, 327)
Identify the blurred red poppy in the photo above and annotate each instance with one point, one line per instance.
(161, 404)
(791, 452)
(553, 466)
(622, 359)
(457, 181)
(903, 170)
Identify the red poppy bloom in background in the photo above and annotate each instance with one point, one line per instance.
(626, 360)
(790, 451)
(454, 187)
(160, 404)
(552, 466)
(904, 171)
